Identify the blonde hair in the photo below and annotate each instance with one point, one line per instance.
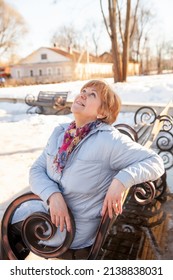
(110, 101)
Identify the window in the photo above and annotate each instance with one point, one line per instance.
(49, 71)
(58, 71)
(31, 73)
(43, 56)
(40, 72)
(18, 73)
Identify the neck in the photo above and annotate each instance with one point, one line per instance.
(81, 122)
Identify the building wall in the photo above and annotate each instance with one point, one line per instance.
(60, 71)
(43, 72)
(43, 65)
(133, 69)
(91, 70)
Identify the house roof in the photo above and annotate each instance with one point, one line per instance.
(107, 57)
(73, 55)
(62, 52)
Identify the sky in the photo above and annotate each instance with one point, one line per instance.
(43, 17)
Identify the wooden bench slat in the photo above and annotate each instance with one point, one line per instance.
(157, 126)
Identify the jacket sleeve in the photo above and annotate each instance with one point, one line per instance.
(136, 163)
(40, 183)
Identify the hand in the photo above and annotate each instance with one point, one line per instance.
(114, 198)
(59, 211)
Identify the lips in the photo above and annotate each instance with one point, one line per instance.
(79, 103)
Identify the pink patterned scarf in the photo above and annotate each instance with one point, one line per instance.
(72, 137)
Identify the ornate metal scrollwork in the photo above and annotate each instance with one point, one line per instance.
(164, 141)
(126, 228)
(145, 115)
(167, 122)
(160, 186)
(127, 130)
(144, 193)
(167, 158)
(30, 99)
(34, 230)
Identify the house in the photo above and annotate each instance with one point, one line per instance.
(4, 72)
(133, 66)
(53, 65)
(47, 65)
(4, 75)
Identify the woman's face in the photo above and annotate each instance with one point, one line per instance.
(86, 104)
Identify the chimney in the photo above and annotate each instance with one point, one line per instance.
(70, 50)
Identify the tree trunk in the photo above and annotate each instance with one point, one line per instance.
(115, 48)
(125, 58)
(159, 62)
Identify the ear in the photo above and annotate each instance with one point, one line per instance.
(100, 116)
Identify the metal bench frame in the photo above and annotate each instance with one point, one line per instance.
(49, 102)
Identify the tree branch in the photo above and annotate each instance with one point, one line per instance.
(120, 23)
(105, 21)
(135, 18)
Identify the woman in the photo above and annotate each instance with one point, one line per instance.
(88, 165)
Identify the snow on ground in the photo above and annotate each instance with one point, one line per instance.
(154, 88)
(23, 136)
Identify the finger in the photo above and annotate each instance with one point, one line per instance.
(115, 207)
(120, 207)
(110, 212)
(56, 220)
(53, 219)
(104, 207)
(68, 223)
(61, 223)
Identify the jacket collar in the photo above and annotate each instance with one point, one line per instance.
(101, 127)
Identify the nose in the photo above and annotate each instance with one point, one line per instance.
(83, 95)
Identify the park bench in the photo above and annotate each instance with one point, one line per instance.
(49, 102)
(145, 131)
(140, 199)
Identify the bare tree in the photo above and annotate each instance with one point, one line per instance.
(142, 30)
(67, 37)
(160, 53)
(12, 28)
(95, 37)
(112, 32)
(93, 31)
(120, 59)
(126, 38)
(163, 60)
(87, 39)
(169, 56)
(127, 26)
